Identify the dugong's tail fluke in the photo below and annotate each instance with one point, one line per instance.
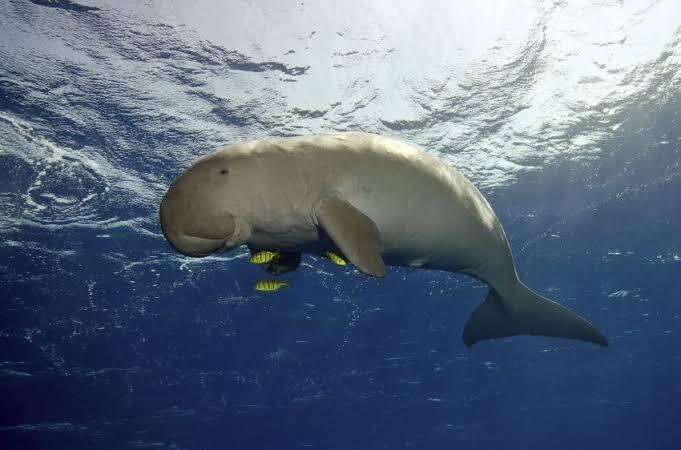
(522, 311)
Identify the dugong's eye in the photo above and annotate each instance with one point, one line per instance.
(224, 171)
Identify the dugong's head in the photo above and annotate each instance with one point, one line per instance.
(202, 212)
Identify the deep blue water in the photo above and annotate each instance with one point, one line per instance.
(109, 339)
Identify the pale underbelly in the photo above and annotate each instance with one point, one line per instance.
(436, 244)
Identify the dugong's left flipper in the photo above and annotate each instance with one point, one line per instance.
(355, 234)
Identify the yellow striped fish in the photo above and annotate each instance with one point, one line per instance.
(264, 257)
(270, 285)
(334, 258)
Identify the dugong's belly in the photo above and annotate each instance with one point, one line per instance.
(433, 223)
(289, 231)
(436, 237)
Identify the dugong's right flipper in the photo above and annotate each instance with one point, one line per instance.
(522, 311)
(355, 234)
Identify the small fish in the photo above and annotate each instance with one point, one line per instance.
(264, 257)
(270, 285)
(334, 258)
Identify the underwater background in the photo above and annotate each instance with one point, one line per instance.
(565, 114)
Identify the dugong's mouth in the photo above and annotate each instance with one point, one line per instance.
(194, 246)
(198, 245)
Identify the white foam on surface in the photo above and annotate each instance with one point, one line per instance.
(364, 66)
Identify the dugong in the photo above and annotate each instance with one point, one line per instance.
(375, 199)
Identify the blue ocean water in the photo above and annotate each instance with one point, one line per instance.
(565, 114)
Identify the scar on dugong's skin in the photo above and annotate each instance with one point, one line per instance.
(378, 201)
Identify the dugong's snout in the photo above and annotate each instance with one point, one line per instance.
(196, 229)
(193, 246)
